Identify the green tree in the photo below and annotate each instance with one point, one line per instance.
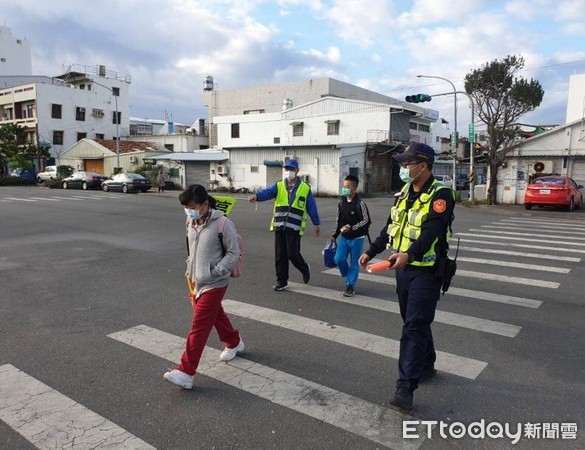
(501, 98)
(14, 149)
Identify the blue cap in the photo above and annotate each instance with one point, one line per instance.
(416, 152)
(291, 163)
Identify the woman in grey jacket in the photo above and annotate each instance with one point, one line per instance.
(209, 268)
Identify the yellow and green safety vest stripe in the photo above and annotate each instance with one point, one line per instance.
(293, 216)
(406, 225)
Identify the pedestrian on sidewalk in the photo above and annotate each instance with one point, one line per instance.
(293, 202)
(209, 266)
(417, 231)
(351, 228)
(161, 181)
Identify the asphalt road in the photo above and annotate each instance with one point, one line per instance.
(94, 309)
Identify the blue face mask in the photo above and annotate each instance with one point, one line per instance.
(346, 192)
(192, 214)
(405, 175)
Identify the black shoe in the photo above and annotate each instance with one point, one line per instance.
(307, 275)
(402, 398)
(427, 373)
(348, 291)
(280, 286)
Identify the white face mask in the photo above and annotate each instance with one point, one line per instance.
(291, 174)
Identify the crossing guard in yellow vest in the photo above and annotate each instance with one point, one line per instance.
(293, 202)
(417, 231)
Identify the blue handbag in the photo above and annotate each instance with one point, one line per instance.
(329, 254)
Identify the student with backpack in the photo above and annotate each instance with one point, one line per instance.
(214, 251)
(351, 228)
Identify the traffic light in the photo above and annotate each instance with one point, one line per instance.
(418, 98)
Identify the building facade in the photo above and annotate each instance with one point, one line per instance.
(332, 128)
(15, 56)
(84, 102)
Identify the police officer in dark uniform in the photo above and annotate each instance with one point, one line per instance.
(417, 231)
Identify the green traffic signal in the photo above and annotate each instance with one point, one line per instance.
(418, 98)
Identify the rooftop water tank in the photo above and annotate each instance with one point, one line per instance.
(208, 83)
(287, 103)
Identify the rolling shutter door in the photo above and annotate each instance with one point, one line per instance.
(578, 171)
(197, 173)
(94, 165)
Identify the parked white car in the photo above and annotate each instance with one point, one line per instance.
(50, 173)
(445, 180)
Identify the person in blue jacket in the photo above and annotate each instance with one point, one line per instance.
(293, 202)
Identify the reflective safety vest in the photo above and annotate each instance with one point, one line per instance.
(294, 216)
(405, 227)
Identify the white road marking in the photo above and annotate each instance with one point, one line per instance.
(458, 320)
(47, 198)
(461, 292)
(513, 244)
(500, 237)
(20, 199)
(89, 198)
(508, 279)
(551, 223)
(344, 411)
(523, 233)
(49, 419)
(495, 262)
(511, 228)
(447, 362)
(523, 254)
(69, 198)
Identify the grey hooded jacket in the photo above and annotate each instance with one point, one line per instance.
(207, 266)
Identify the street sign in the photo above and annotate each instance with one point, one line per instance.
(471, 135)
(454, 139)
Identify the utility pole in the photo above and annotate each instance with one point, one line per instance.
(455, 135)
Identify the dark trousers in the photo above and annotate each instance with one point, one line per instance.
(418, 292)
(287, 247)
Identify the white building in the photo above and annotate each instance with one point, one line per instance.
(14, 54)
(83, 102)
(332, 128)
(576, 98)
(560, 150)
(175, 137)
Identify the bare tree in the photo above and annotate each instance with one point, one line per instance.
(501, 98)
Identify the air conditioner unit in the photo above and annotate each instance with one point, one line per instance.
(132, 159)
(542, 166)
(221, 170)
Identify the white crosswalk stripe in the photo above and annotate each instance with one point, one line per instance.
(494, 262)
(556, 232)
(546, 223)
(499, 234)
(344, 411)
(522, 254)
(461, 292)
(49, 419)
(515, 245)
(459, 320)
(514, 238)
(446, 362)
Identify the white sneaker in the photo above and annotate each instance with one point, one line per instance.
(230, 353)
(179, 378)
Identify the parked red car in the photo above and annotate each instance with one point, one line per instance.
(553, 190)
